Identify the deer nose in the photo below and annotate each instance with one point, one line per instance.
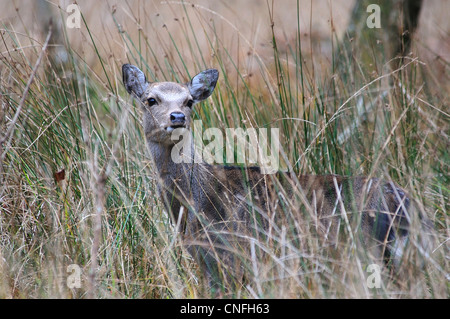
(177, 118)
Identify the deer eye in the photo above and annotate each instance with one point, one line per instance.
(151, 101)
(190, 103)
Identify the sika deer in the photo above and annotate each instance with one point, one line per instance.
(226, 204)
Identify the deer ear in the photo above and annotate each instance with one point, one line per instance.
(134, 80)
(202, 85)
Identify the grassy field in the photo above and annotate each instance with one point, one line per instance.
(77, 187)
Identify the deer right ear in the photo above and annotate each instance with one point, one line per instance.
(202, 85)
(134, 80)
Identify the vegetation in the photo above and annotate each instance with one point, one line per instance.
(77, 185)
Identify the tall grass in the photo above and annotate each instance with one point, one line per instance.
(78, 186)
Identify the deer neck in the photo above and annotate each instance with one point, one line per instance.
(176, 162)
(178, 181)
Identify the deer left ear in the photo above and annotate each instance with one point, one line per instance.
(203, 84)
(134, 80)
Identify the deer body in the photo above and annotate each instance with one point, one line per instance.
(222, 201)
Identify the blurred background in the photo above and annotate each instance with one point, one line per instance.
(243, 27)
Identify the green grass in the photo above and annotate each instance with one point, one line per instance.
(79, 119)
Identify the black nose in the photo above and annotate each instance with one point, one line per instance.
(177, 118)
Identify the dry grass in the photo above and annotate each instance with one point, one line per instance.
(101, 211)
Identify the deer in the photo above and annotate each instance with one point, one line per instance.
(217, 206)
